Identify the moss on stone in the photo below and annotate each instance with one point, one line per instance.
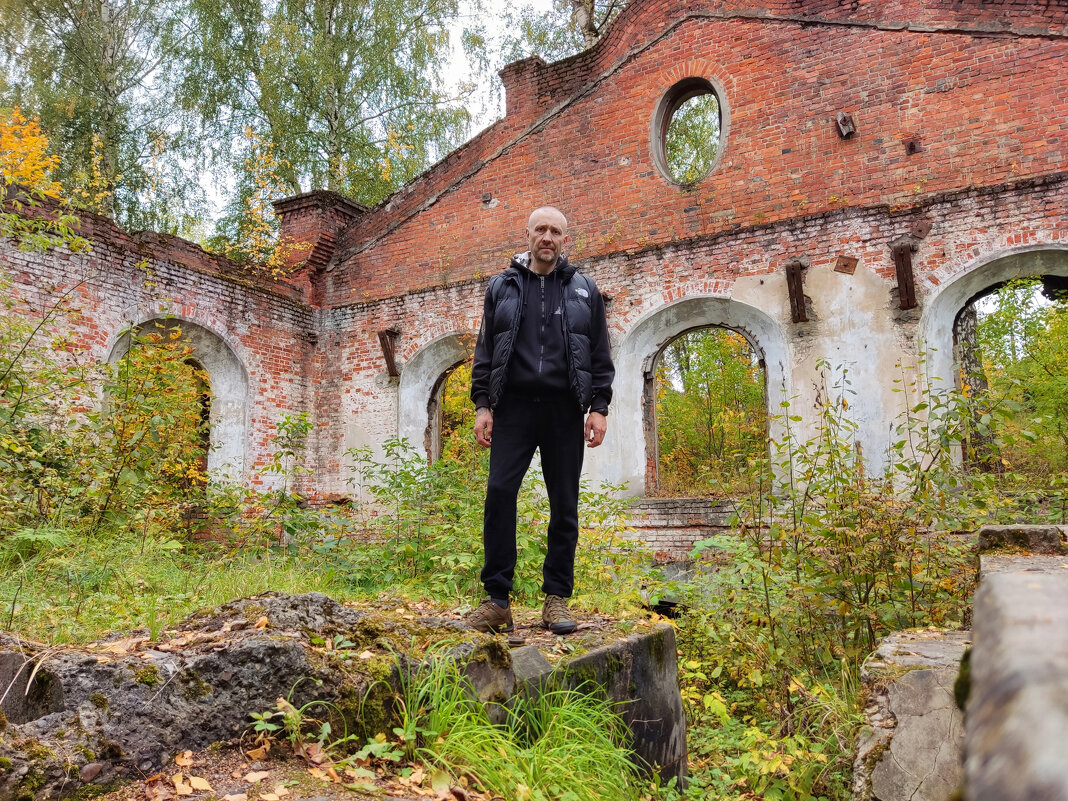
(87, 791)
(109, 750)
(28, 786)
(147, 675)
(3, 722)
(99, 700)
(5, 764)
(962, 685)
(36, 750)
(658, 647)
(253, 612)
(492, 652)
(193, 687)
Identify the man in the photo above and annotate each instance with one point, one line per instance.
(542, 360)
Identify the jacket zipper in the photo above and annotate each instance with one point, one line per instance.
(541, 336)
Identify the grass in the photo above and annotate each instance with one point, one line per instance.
(82, 589)
(759, 723)
(561, 744)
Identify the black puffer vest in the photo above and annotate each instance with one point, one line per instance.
(500, 326)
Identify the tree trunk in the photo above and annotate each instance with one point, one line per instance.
(585, 17)
(980, 448)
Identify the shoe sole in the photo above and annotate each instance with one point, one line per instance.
(561, 628)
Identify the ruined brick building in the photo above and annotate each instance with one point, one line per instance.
(880, 163)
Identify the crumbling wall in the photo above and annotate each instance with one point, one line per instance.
(130, 279)
(957, 160)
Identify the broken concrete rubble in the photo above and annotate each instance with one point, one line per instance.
(125, 707)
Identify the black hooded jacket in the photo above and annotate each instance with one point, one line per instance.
(589, 370)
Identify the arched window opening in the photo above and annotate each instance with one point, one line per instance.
(452, 415)
(192, 386)
(202, 386)
(1011, 352)
(708, 402)
(158, 409)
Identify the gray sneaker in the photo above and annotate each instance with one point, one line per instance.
(490, 618)
(555, 617)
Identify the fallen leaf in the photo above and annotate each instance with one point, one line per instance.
(184, 759)
(256, 754)
(333, 774)
(256, 776)
(313, 752)
(417, 776)
(318, 773)
(235, 797)
(180, 787)
(236, 774)
(367, 655)
(263, 622)
(440, 781)
(268, 797)
(200, 783)
(280, 790)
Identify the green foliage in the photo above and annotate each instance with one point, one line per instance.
(692, 139)
(96, 73)
(346, 92)
(27, 170)
(561, 745)
(1023, 339)
(568, 27)
(824, 559)
(710, 418)
(430, 517)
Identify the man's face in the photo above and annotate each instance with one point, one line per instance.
(547, 235)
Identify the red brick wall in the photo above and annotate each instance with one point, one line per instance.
(985, 107)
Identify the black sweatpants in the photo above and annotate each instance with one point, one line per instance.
(522, 424)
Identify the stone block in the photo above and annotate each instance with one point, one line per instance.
(640, 673)
(1035, 539)
(1017, 713)
(909, 748)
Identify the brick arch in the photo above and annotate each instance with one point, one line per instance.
(229, 380)
(935, 336)
(625, 458)
(420, 381)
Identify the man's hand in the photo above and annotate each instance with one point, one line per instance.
(596, 425)
(484, 427)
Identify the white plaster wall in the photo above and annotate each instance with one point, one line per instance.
(855, 336)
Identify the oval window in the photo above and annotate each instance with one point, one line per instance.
(689, 131)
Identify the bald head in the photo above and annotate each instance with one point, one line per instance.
(547, 235)
(551, 211)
